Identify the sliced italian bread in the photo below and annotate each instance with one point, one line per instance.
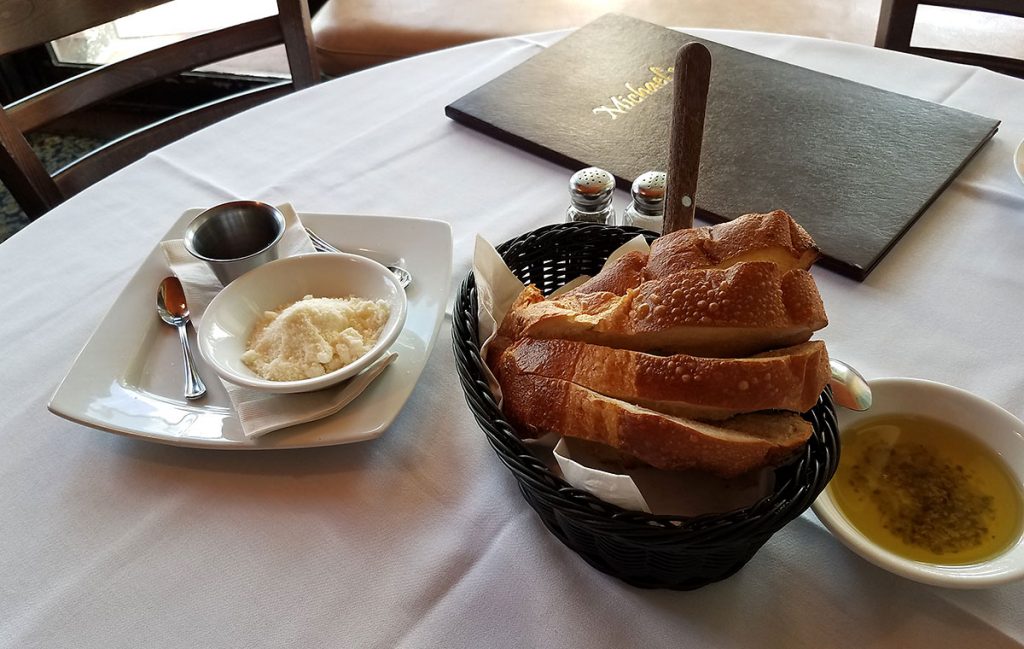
(746, 309)
(537, 405)
(774, 237)
(618, 277)
(791, 378)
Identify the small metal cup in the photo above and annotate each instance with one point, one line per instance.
(233, 238)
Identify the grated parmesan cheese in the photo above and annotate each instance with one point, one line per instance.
(314, 336)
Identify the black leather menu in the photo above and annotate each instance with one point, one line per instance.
(853, 164)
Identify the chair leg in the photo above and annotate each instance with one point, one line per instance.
(23, 173)
(896, 24)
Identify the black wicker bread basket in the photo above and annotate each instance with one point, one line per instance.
(642, 549)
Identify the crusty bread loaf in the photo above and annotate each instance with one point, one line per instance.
(681, 385)
(618, 277)
(692, 357)
(746, 309)
(773, 237)
(537, 405)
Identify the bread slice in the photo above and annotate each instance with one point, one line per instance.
(537, 405)
(746, 309)
(618, 277)
(773, 237)
(791, 378)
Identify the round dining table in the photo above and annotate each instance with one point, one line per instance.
(420, 537)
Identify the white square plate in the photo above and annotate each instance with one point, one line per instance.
(128, 377)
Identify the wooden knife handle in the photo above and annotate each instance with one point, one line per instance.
(689, 101)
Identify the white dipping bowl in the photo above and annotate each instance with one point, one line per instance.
(1018, 160)
(228, 321)
(986, 422)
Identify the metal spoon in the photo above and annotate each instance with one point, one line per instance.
(849, 389)
(404, 276)
(171, 305)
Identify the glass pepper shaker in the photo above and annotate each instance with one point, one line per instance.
(590, 196)
(647, 209)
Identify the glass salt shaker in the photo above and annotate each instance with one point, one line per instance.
(647, 209)
(590, 196)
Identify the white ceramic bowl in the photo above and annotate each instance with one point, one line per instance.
(229, 319)
(1018, 160)
(987, 422)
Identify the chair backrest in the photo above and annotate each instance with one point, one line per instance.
(22, 171)
(896, 26)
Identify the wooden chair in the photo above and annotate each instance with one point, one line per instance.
(896, 25)
(352, 35)
(46, 20)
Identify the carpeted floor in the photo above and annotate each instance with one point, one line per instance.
(55, 152)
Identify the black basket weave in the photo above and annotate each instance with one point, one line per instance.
(642, 549)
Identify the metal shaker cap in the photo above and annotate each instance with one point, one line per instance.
(591, 188)
(648, 192)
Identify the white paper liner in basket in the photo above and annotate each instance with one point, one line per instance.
(677, 493)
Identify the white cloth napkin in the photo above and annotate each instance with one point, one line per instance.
(259, 412)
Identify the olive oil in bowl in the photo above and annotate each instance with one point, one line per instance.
(926, 491)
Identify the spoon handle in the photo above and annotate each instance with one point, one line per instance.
(194, 386)
(849, 389)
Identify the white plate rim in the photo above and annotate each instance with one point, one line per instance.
(1018, 161)
(426, 252)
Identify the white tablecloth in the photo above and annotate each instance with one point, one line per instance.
(421, 538)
